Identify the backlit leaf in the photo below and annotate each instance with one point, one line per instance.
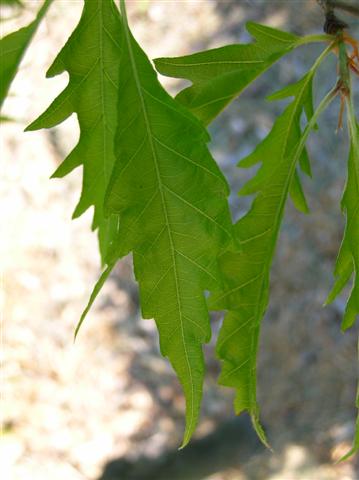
(12, 49)
(221, 74)
(91, 57)
(347, 265)
(247, 273)
(171, 198)
(166, 197)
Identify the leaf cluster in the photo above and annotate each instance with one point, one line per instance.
(157, 192)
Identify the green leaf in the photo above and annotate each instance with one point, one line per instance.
(221, 74)
(355, 447)
(174, 216)
(297, 194)
(11, 3)
(97, 288)
(91, 56)
(347, 264)
(166, 197)
(247, 273)
(171, 198)
(296, 190)
(12, 49)
(304, 161)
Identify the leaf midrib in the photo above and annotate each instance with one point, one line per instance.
(215, 62)
(164, 207)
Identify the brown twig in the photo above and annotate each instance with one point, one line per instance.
(332, 24)
(352, 9)
(331, 5)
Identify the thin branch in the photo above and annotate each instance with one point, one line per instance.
(352, 9)
(330, 5)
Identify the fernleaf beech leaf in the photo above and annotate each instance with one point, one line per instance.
(12, 49)
(91, 58)
(221, 74)
(247, 273)
(171, 201)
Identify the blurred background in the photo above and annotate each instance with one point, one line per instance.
(109, 406)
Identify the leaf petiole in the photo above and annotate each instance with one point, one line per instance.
(315, 38)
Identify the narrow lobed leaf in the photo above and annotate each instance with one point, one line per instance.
(221, 74)
(170, 198)
(347, 264)
(91, 56)
(12, 49)
(247, 273)
(166, 197)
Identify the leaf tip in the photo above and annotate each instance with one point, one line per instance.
(184, 444)
(346, 456)
(78, 326)
(157, 61)
(55, 175)
(186, 438)
(31, 127)
(260, 431)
